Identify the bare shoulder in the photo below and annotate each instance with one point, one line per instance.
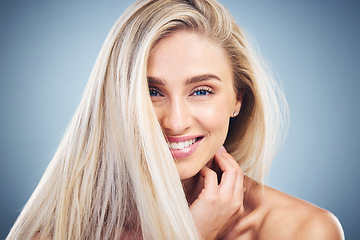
(321, 225)
(288, 217)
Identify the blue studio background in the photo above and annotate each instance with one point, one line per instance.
(48, 48)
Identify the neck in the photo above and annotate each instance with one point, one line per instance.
(194, 185)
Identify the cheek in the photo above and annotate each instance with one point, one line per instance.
(214, 117)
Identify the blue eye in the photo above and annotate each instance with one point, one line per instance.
(154, 93)
(203, 92)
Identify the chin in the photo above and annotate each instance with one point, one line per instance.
(186, 172)
(187, 175)
(188, 168)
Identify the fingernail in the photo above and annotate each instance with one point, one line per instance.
(223, 149)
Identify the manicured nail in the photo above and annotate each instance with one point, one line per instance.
(223, 149)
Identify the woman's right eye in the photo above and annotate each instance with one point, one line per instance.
(154, 92)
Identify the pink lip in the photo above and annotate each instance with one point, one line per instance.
(185, 152)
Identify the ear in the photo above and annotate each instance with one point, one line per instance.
(238, 103)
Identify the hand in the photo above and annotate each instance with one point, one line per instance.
(219, 206)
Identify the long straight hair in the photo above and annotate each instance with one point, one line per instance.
(113, 173)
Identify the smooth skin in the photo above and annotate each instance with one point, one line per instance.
(221, 208)
(193, 95)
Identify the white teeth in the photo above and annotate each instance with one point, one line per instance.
(173, 145)
(181, 145)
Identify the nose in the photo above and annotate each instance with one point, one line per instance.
(176, 118)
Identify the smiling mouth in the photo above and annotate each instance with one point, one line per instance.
(184, 144)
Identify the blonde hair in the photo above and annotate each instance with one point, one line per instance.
(113, 173)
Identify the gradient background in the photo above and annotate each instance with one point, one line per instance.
(48, 48)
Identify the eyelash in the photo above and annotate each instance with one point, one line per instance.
(154, 92)
(206, 90)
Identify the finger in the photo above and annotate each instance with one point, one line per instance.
(210, 178)
(227, 162)
(238, 189)
(229, 175)
(239, 186)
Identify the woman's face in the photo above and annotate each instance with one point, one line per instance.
(191, 87)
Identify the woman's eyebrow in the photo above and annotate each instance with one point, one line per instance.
(154, 80)
(196, 79)
(201, 78)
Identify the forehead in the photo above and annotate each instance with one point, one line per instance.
(194, 53)
(187, 39)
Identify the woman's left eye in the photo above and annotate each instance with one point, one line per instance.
(203, 92)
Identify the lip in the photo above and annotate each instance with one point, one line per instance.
(185, 152)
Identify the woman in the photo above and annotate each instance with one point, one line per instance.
(172, 139)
